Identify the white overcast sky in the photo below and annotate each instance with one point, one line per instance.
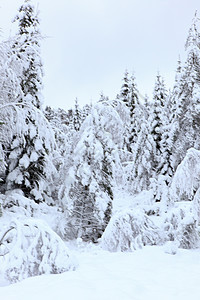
(91, 42)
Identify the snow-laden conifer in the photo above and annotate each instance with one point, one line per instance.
(77, 116)
(27, 46)
(140, 170)
(29, 155)
(90, 178)
(125, 89)
(157, 117)
(186, 123)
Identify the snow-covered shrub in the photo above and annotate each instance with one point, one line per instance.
(186, 180)
(29, 247)
(130, 230)
(180, 226)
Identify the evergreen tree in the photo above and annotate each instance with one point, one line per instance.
(186, 124)
(135, 113)
(91, 177)
(129, 96)
(27, 47)
(31, 143)
(77, 116)
(29, 161)
(157, 119)
(65, 137)
(124, 92)
(141, 170)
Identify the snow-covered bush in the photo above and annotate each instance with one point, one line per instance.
(180, 226)
(186, 180)
(29, 247)
(130, 230)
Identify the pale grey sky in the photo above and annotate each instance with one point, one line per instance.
(92, 42)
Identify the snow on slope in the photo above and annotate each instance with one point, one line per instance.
(149, 273)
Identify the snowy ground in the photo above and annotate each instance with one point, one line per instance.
(145, 274)
(149, 273)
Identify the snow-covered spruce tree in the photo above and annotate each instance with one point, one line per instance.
(26, 45)
(65, 137)
(29, 159)
(140, 170)
(186, 123)
(125, 89)
(172, 106)
(172, 123)
(165, 168)
(29, 152)
(160, 131)
(135, 109)
(129, 96)
(90, 178)
(77, 116)
(157, 117)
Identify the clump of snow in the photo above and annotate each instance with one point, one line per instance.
(24, 161)
(130, 230)
(171, 247)
(29, 247)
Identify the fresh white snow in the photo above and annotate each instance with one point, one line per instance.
(148, 273)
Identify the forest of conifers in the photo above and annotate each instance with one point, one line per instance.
(75, 162)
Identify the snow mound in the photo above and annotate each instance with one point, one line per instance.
(171, 247)
(29, 247)
(130, 230)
